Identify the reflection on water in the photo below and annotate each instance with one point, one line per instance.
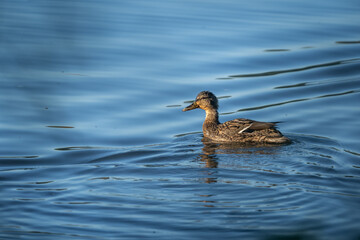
(211, 152)
(94, 145)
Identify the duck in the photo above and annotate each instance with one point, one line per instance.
(240, 130)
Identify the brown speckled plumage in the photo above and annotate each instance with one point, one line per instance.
(237, 130)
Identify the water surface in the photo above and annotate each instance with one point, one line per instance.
(94, 144)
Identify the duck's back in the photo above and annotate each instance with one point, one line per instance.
(247, 131)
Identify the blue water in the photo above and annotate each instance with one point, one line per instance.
(94, 144)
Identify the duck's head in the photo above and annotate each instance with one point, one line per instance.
(205, 100)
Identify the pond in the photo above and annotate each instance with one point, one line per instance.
(94, 144)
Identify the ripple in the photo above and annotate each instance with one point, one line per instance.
(294, 101)
(347, 42)
(271, 73)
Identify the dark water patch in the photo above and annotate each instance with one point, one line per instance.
(329, 84)
(294, 85)
(347, 42)
(174, 105)
(79, 148)
(276, 50)
(352, 152)
(15, 157)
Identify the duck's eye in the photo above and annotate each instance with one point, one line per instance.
(202, 98)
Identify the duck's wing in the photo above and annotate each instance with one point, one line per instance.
(262, 125)
(241, 125)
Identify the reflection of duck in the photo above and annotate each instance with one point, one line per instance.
(237, 130)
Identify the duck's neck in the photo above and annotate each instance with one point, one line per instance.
(212, 116)
(211, 122)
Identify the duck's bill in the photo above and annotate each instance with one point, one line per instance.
(190, 107)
